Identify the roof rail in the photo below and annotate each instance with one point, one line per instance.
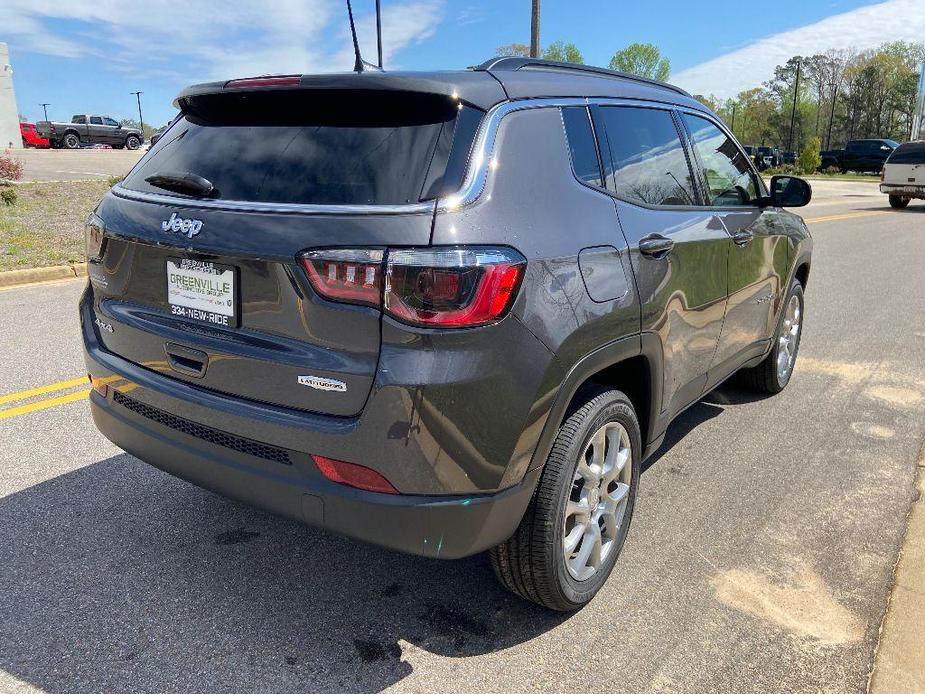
(512, 63)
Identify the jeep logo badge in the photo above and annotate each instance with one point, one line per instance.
(188, 227)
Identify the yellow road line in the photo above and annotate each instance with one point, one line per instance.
(41, 390)
(848, 215)
(44, 404)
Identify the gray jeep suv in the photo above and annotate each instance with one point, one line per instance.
(441, 312)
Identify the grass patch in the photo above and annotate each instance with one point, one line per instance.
(843, 177)
(46, 224)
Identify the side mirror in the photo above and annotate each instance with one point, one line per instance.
(790, 191)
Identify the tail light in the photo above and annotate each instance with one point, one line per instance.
(433, 287)
(346, 274)
(353, 475)
(94, 237)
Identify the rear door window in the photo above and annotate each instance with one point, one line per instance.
(644, 160)
(729, 176)
(317, 147)
(909, 153)
(581, 145)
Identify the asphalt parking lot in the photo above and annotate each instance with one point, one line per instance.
(760, 557)
(76, 164)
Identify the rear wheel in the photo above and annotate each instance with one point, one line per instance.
(71, 141)
(898, 202)
(573, 531)
(132, 142)
(773, 374)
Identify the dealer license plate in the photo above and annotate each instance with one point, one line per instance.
(202, 291)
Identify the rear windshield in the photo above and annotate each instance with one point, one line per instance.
(909, 153)
(317, 147)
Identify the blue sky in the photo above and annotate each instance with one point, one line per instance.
(87, 55)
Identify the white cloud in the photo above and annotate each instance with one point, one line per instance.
(860, 29)
(212, 39)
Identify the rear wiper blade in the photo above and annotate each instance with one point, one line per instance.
(186, 183)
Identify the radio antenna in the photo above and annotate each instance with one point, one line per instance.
(358, 64)
(379, 31)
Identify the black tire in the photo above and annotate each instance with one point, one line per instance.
(898, 202)
(132, 142)
(532, 562)
(71, 141)
(765, 378)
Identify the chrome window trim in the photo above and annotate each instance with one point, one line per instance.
(273, 207)
(481, 162)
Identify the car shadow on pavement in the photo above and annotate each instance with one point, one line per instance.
(118, 577)
(708, 407)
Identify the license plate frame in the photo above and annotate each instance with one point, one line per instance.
(203, 291)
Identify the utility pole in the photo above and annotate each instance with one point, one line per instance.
(141, 122)
(828, 139)
(535, 30)
(45, 109)
(793, 111)
(733, 128)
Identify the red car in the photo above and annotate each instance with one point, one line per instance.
(30, 138)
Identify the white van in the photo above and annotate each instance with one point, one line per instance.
(903, 175)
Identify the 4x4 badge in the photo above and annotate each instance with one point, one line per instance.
(178, 225)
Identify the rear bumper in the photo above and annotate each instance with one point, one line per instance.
(910, 190)
(260, 454)
(434, 526)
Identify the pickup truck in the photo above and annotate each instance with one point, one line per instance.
(859, 155)
(87, 129)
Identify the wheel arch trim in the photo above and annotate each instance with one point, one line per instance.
(646, 345)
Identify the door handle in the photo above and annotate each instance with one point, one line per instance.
(742, 237)
(655, 246)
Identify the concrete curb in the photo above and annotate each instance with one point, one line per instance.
(899, 663)
(15, 278)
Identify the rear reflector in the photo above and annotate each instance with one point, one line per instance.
(353, 475)
(256, 82)
(99, 385)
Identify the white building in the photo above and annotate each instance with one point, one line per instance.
(9, 113)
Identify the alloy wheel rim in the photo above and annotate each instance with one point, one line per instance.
(789, 338)
(598, 500)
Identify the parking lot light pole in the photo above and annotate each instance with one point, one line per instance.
(141, 123)
(45, 109)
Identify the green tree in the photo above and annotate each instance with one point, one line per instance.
(643, 59)
(131, 123)
(510, 49)
(563, 52)
(810, 161)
